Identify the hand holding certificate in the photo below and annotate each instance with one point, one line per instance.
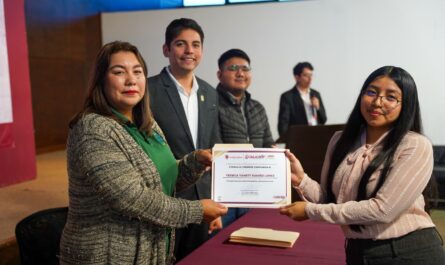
(250, 177)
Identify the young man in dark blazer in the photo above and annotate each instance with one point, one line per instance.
(301, 105)
(185, 107)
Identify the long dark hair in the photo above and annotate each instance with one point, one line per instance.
(408, 120)
(96, 102)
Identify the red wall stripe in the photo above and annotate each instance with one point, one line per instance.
(17, 163)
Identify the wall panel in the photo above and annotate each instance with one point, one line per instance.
(17, 161)
(344, 39)
(63, 38)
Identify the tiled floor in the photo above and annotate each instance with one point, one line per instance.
(48, 190)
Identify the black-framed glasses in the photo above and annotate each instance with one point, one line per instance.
(388, 101)
(236, 67)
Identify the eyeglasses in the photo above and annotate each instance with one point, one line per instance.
(236, 67)
(387, 101)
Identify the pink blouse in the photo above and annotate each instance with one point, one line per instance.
(398, 207)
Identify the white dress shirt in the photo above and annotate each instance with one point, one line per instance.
(311, 113)
(190, 104)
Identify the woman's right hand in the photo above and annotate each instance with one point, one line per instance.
(212, 210)
(296, 211)
(297, 171)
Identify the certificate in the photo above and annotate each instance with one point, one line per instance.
(251, 177)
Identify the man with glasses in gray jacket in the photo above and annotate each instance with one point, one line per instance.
(241, 118)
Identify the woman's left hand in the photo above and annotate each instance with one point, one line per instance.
(295, 211)
(204, 156)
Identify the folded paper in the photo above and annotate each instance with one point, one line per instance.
(264, 237)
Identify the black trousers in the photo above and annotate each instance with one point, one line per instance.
(421, 247)
(190, 238)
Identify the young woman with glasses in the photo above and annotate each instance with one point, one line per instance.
(373, 177)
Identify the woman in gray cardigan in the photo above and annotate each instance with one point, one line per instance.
(122, 174)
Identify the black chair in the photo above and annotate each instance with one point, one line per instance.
(38, 236)
(439, 171)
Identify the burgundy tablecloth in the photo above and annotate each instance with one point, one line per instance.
(319, 243)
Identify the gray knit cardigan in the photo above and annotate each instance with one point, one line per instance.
(118, 213)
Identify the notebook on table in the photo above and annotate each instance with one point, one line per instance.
(264, 237)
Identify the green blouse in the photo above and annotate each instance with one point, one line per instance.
(161, 155)
(158, 151)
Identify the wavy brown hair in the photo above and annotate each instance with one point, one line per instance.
(96, 102)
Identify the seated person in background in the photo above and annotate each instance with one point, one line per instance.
(122, 173)
(373, 177)
(241, 118)
(301, 105)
